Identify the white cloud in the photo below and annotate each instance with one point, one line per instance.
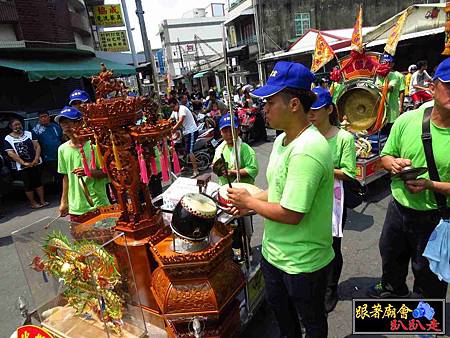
(155, 12)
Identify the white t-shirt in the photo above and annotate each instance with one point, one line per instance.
(24, 148)
(418, 79)
(189, 125)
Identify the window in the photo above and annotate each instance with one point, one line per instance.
(302, 23)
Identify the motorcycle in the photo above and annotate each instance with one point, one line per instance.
(252, 123)
(204, 149)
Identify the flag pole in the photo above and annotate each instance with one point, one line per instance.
(230, 105)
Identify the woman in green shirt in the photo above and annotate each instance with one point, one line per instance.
(324, 116)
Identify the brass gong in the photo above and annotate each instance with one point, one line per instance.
(360, 105)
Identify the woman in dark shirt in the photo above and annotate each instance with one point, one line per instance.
(26, 154)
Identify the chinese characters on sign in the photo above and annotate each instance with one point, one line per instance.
(113, 41)
(390, 316)
(108, 15)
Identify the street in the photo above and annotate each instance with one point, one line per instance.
(362, 263)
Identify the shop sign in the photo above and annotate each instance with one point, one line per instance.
(114, 41)
(108, 15)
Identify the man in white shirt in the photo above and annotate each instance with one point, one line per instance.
(186, 122)
(418, 88)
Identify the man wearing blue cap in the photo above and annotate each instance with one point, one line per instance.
(396, 91)
(297, 206)
(247, 157)
(77, 97)
(417, 205)
(73, 201)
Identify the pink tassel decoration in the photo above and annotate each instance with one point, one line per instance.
(87, 172)
(142, 166)
(163, 161)
(153, 165)
(93, 164)
(176, 162)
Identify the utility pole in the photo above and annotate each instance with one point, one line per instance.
(130, 39)
(261, 74)
(146, 42)
(181, 56)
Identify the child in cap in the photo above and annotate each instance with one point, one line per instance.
(247, 156)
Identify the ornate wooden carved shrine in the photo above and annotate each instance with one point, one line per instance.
(174, 286)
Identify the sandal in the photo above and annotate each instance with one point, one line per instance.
(37, 206)
(45, 204)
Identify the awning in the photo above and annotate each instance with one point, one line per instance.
(231, 18)
(63, 67)
(199, 75)
(238, 51)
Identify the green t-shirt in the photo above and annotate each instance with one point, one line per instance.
(300, 178)
(342, 147)
(405, 142)
(69, 158)
(247, 161)
(397, 81)
(337, 88)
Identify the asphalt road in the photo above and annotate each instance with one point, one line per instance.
(362, 263)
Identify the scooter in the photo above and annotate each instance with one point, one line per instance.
(252, 123)
(204, 149)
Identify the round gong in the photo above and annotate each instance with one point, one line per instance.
(360, 105)
(194, 217)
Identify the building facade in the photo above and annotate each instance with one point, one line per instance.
(44, 24)
(37, 31)
(191, 45)
(242, 41)
(283, 21)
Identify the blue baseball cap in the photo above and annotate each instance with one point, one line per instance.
(386, 58)
(225, 121)
(70, 113)
(443, 71)
(78, 95)
(285, 75)
(324, 98)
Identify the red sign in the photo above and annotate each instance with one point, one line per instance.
(31, 331)
(362, 67)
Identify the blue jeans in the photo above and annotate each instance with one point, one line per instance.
(300, 294)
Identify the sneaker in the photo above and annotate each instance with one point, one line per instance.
(381, 291)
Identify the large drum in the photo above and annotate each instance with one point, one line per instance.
(194, 217)
(223, 195)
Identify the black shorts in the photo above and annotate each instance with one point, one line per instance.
(189, 141)
(31, 177)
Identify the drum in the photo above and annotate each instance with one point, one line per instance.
(193, 217)
(223, 195)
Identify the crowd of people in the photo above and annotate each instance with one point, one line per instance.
(303, 219)
(304, 207)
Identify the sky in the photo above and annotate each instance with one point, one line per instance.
(155, 12)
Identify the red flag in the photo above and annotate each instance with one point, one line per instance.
(357, 43)
(323, 53)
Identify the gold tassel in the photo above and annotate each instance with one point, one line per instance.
(99, 154)
(116, 154)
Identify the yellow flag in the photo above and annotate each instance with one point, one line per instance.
(322, 54)
(394, 35)
(447, 29)
(357, 43)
